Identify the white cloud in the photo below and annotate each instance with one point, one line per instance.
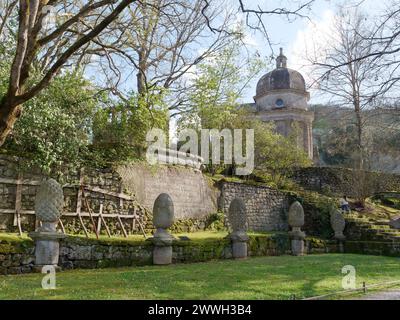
(309, 40)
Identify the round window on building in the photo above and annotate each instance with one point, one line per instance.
(279, 103)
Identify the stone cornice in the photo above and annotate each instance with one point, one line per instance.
(279, 91)
(286, 113)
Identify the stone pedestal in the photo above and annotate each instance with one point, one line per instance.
(297, 241)
(162, 251)
(162, 255)
(239, 244)
(47, 248)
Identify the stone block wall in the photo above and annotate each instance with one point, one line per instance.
(81, 253)
(193, 195)
(18, 257)
(266, 207)
(340, 181)
(105, 179)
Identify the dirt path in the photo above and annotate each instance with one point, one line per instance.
(383, 295)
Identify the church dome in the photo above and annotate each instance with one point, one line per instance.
(281, 78)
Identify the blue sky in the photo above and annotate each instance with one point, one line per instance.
(293, 35)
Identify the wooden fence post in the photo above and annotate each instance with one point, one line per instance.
(18, 197)
(79, 203)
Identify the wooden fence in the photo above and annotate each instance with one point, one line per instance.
(137, 215)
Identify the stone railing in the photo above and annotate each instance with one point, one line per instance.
(170, 156)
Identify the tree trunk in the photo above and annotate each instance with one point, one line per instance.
(141, 81)
(9, 113)
(360, 163)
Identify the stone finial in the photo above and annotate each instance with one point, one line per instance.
(237, 215)
(237, 220)
(296, 221)
(296, 215)
(338, 224)
(48, 208)
(281, 60)
(49, 201)
(163, 218)
(163, 212)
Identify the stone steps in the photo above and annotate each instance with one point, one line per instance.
(375, 230)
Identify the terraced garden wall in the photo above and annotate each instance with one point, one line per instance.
(266, 207)
(17, 255)
(122, 191)
(339, 181)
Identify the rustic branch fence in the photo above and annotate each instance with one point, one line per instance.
(136, 216)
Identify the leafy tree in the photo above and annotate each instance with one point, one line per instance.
(54, 130)
(213, 102)
(119, 132)
(276, 155)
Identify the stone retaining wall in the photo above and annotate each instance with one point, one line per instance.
(194, 198)
(340, 181)
(378, 248)
(266, 207)
(18, 257)
(192, 193)
(105, 179)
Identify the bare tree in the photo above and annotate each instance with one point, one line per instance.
(383, 52)
(160, 42)
(352, 83)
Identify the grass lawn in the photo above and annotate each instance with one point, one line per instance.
(254, 278)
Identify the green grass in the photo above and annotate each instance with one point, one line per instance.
(13, 237)
(255, 278)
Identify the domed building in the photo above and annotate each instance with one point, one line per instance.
(281, 97)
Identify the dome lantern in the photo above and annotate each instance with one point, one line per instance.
(281, 60)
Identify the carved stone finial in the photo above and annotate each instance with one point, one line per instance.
(237, 215)
(296, 215)
(296, 221)
(163, 218)
(49, 201)
(338, 224)
(163, 211)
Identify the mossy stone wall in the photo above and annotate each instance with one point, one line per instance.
(340, 181)
(17, 256)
